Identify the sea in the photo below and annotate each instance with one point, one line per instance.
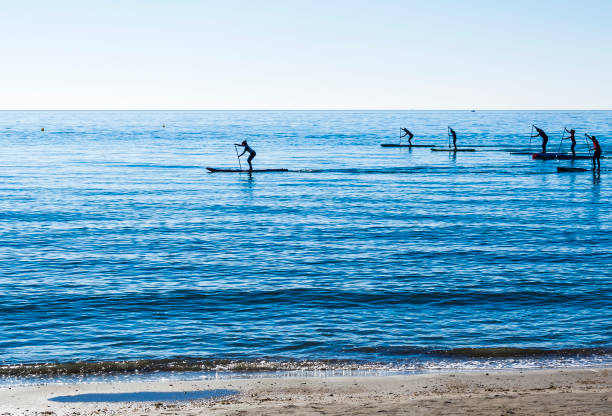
(122, 257)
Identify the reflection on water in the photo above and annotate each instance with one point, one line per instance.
(145, 396)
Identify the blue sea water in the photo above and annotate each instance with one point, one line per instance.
(116, 243)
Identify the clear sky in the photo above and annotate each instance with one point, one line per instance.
(317, 54)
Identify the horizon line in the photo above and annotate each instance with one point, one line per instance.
(312, 109)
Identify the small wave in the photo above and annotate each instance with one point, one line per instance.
(511, 352)
(172, 365)
(485, 352)
(333, 136)
(411, 358)
(513, 169)
(156, 166)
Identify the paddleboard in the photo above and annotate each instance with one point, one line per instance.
(246, 170)
(406, 145)
(561, 156)
(461, 149)
(564, 169)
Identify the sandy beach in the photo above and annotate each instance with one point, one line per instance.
(539, 392)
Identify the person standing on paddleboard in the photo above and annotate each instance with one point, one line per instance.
(572, 137)
(452, 132)
(252, 153)
(407, 133)
(596, 151)
(544, 137)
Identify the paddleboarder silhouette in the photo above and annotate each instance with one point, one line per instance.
(596, 151)
(452, 132)
(572, 137)
(407, 133)
(252, 153)
(544, 137)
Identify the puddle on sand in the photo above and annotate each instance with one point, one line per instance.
(145, 396)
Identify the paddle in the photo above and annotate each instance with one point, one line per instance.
(236, 149)
(562, 138)
(586, 139)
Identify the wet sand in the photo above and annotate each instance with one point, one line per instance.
(541, 392)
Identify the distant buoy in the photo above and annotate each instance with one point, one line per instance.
(163, 125)
(42, 129)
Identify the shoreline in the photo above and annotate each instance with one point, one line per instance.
(411, 360)
(586, 391)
